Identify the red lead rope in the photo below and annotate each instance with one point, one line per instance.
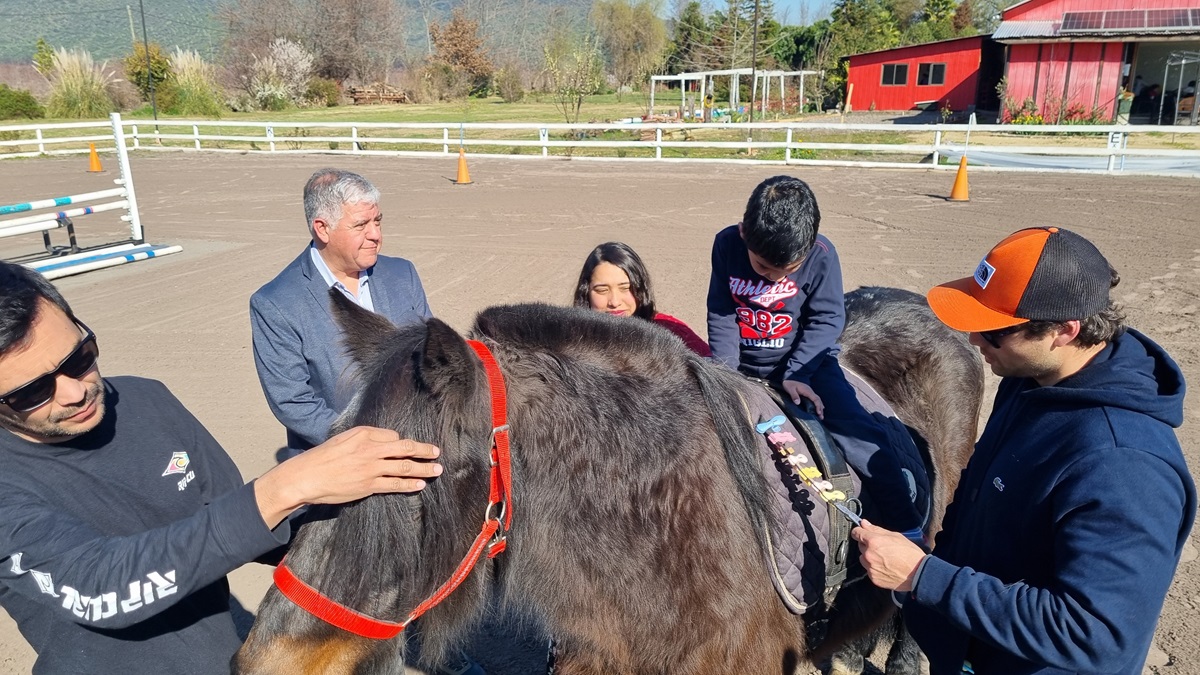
(491, 537)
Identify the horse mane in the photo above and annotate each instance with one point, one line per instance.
(639, 347)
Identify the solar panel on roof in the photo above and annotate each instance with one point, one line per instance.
(1082, 21)
(1124, 19)
(1167, 18)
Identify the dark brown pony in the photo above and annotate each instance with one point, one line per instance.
(638, 497)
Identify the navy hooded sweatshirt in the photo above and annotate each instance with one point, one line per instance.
(779, 330)
(1065, 530)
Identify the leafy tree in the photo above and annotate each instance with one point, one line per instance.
(574, 70)
(457, 46)
(939, 10)
(689, 41)
(964, 18)
(633, 38)
(141, 74)
(43, 58)
(799, 47)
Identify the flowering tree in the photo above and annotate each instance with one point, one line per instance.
(574, 70)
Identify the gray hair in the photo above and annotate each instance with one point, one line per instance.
(329, 189)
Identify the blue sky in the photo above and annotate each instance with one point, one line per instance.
(792, 11)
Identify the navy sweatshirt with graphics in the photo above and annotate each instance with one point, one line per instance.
(114, 545)
(1067, 525)
(774, 330)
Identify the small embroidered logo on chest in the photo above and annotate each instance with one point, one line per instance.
(999, 484)
(178, 464)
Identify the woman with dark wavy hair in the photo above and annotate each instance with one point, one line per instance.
(614, 280)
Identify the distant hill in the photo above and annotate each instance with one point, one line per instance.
(103, 26)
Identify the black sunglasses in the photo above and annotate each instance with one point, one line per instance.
(38, 392)
(993, 337)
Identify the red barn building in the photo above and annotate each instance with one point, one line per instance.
(940, 74)
(1072, 57)
(1059, 59)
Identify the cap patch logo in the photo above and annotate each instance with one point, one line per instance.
(983, 273)
(178, 464)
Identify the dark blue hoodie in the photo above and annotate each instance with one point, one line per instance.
(1067, 525)
(774, 330)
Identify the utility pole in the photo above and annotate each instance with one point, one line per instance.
(753, 63)
(132, 33)
(150, 71)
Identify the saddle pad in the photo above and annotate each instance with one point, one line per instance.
(799, 548)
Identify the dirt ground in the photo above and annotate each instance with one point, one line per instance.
(521, 232)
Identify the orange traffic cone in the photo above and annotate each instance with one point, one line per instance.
(464, 176)
(959, 193)
(93, 159)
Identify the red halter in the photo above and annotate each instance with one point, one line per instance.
(492, 537)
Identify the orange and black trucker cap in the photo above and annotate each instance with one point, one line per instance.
(1038, 274)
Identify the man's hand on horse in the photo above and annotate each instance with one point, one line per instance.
(356, 463)
(799, 392)
(890, 558)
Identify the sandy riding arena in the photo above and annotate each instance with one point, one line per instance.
(521, 233)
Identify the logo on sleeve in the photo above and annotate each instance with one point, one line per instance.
(45, 582)
(983, 273)
(178, 464)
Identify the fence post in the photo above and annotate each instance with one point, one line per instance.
(354, 139)
(271, 137)
(41, 145)
(196, 134)
(658, 143)
(787, 151)
(126, 181)
(937, 143)
(544, 135)
(1116, 144)
(445, 140)
(136, 140)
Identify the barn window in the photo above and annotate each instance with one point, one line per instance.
(895, 74)
(931, 74)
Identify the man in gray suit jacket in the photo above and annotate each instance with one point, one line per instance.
(297, 345)
(298, 352)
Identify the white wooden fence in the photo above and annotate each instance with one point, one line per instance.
(1111, 148)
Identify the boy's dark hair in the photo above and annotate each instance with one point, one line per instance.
(20, 290)
(1104, 326)
(781, 220)
(624, 257)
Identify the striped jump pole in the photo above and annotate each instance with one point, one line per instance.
(59, 201)
(62, 261)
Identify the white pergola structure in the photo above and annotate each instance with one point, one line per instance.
(766, 77)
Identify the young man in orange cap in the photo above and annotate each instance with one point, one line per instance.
(1066, 528)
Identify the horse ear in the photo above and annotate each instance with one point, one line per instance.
(446, 361)
(365, 334)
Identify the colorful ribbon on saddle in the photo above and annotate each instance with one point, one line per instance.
(492, 537)
(779, 438)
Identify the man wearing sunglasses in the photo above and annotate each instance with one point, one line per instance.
(1067, 524)
(120, 515)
